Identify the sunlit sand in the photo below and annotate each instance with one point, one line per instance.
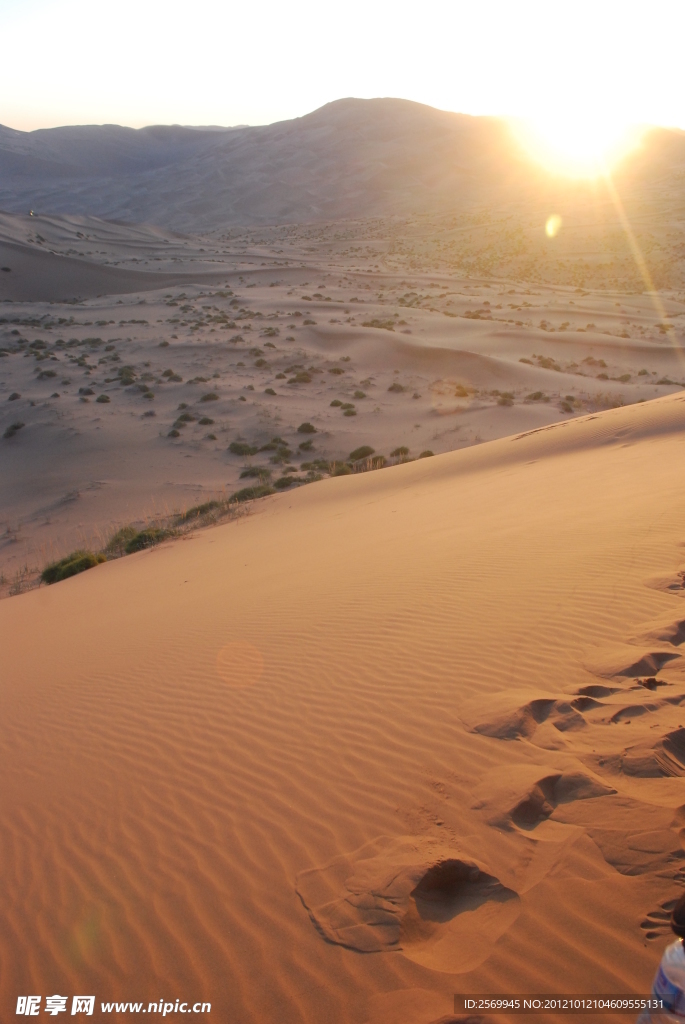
(410, 725)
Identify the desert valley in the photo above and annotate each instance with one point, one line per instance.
(373, 696)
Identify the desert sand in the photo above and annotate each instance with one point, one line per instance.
(113, 338)
(386, 736)
(232, 759)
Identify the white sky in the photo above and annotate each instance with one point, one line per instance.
(138, 62)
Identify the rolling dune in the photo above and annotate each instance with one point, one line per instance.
(379, 742)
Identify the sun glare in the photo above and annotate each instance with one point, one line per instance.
(577, 146)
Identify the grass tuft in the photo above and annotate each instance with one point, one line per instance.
(361, 453)
(71, 565)
(250, 493)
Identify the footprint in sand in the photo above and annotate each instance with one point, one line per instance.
(439, 908)
(661, 758)
(658, 922)
(455, 914)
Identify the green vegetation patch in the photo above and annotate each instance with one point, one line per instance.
(361, 453)
(200, 510)
(385, 325)
(116, 545)
(241, 448)
(145, 539)
(306, 428)
(250, 493)
(71, 565)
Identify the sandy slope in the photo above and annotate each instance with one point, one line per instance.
(233, 764)
(426, 358)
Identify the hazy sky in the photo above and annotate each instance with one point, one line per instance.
(138, 62)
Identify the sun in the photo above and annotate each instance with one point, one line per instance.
(577, 146)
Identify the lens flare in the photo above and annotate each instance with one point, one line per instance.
(553, 225)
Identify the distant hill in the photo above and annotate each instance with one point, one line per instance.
(349, 159)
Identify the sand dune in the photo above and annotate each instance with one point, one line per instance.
(31, 276)
(129, 400)
(351, 158)
(361, 750)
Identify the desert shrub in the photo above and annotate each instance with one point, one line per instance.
(396, 387)
(174, 432)
(250, 493)
(260, 362)
(350, 412)
(399, 452)
(341, 469)
(260, 472)
(301, 378)
(284, 481)
(305, 446)
(15, 394)
(269, 391)
(103, 399)
(210, 397)
(336, 370)
(118, 541)
(336, 403)
(145, 539)
(280, 376)
(205, 421)
(200, 510)
(427, 454)
(241, 448)
(309, 323)
(386, 325)
(361, 453)
(186, 417)
(373, 462)
(13, 429)
(359, 394)
(306, 428)
(76, 562)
